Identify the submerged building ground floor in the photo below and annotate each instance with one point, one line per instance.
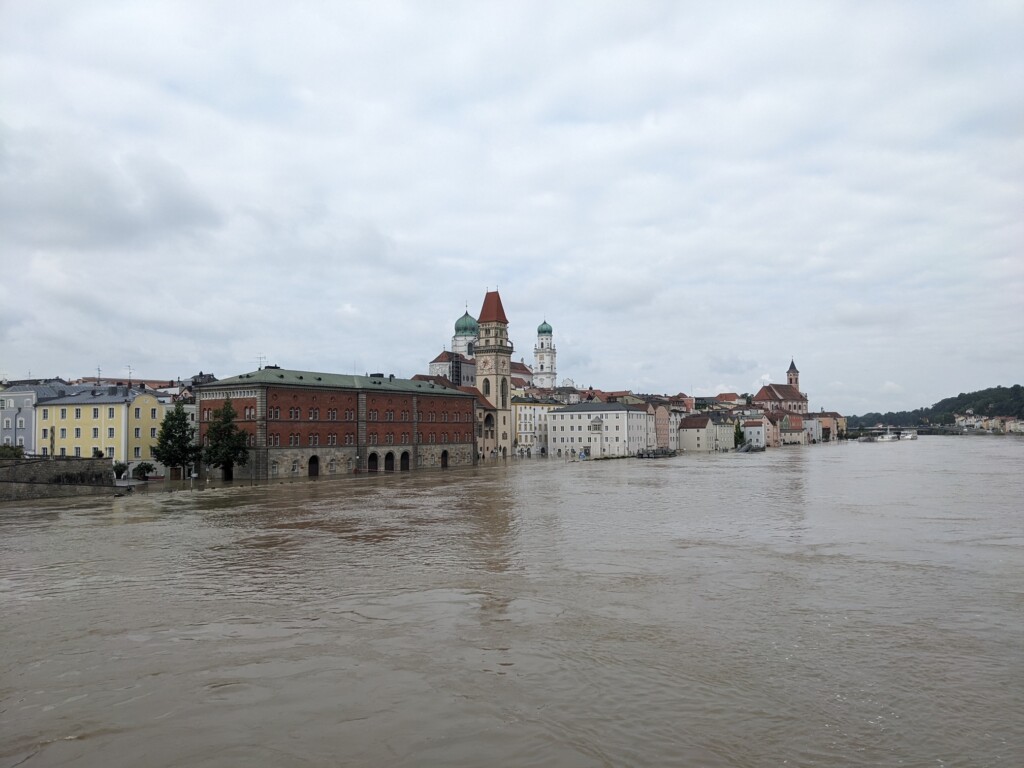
(309, 424)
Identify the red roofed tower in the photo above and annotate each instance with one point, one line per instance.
(493, 366)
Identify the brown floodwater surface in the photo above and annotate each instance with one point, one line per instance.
(849, 605)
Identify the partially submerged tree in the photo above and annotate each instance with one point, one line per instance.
(175, 445)
(226, 443)
(142, 471)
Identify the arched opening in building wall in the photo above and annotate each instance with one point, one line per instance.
(314, 466)
(487, 387)
(504, 452)
(444, 459)
(404, 462)
(504, 393)
(389, 462)
(489, 426)
(372, 463)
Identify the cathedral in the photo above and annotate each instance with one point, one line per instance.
(480, 358)
(458, 364)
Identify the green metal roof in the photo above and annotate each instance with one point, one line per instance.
(290, 378)
(467, 326)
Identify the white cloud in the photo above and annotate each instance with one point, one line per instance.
(690, 194)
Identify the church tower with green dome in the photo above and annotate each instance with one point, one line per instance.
(467, 332)
(544, 372)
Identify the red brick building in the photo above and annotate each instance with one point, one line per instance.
(304, 423)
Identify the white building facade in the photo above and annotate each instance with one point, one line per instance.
(599, 430)
(755, 433)
(530, 416)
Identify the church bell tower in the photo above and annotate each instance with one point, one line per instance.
(544, 358)
(493, 374)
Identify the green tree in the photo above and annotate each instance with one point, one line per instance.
(12, 452)
(175, 445)
(737, 436)
(119, 469)
(226, 443)
(140, 471)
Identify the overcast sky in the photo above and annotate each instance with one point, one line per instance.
(691, 194)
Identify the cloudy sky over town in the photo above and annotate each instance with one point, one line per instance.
(692, 194)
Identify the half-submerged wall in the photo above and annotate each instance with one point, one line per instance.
(55, 477)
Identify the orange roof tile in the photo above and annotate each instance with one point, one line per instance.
(492, 311)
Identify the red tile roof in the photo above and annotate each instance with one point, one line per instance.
(481, 401)
(447, 357)
(779, 393)
(694, 422)
(492, 311)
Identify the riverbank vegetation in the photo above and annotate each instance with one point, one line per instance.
(995, 401)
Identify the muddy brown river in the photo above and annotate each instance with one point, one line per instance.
(851, 605)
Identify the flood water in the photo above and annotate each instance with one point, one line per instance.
(851, 605)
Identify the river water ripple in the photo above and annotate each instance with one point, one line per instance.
(853, 605)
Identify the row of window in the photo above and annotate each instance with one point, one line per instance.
(295, 414)
(274, 439)
(63, 432)
(77, 452)
(95, 413)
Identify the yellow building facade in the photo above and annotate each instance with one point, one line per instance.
(119, 423)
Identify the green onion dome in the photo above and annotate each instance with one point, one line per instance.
(466, 326)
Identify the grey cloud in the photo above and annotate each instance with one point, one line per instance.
(657, 181)
(55, 193)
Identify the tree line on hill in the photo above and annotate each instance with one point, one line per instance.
(995, 401)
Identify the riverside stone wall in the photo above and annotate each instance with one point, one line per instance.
(56, 477)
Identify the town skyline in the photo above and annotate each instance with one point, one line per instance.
(692, 196)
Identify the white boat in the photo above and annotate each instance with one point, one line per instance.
(888, 437)
(908, 434)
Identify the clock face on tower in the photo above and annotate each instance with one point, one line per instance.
(503, 366)
(486, 365)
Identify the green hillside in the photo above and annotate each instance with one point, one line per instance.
(997, 401)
